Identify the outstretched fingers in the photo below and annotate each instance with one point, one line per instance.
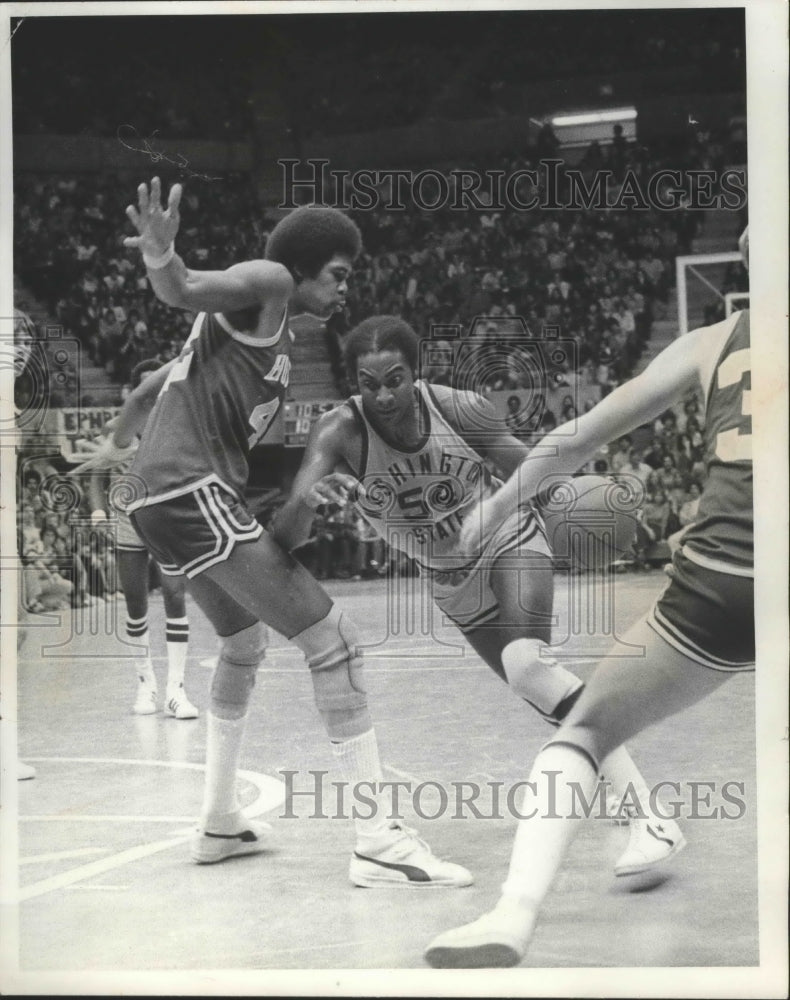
(174, 199)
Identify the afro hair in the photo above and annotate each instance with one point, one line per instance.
(380, 333)
(307, 238)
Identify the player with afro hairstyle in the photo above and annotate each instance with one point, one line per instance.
(309, 236)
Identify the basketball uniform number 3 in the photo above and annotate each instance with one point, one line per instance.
(260, 420)
(731, 445)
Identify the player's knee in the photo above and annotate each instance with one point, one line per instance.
(332, 653)
(236, 670)
(245, 647)
(538, 680)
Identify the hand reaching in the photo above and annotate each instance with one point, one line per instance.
(106, 456)
(337, 488)
(157, 228)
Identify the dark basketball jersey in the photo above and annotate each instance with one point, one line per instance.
(416, 500)
(723, 536)
(218, 402)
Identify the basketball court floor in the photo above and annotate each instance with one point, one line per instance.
(105, 877)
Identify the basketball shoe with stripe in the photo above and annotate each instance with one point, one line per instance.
(228, 837)
(400, 858)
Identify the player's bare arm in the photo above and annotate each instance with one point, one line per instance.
(669, 376)
(129, 423)
(331, 448)
(249, 284)
(476, 420)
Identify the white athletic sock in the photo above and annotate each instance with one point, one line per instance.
(223, 749)
(541, 842)
(358, 759)
(177, 634)
(626, 780)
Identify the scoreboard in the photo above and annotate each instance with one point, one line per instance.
(299, 418)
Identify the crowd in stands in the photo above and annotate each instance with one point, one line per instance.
(601, 278)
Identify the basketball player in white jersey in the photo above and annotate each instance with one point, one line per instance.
(417, 451)
(699, 633)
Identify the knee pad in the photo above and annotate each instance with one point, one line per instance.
(330, 648)
(234, 675)
(540, 681)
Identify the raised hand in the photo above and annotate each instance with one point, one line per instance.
(157, 227)
(337, 487)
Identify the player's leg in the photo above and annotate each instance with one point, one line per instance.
(515, 644)
(623, 697)
(523, 584)
(272, 587)
(133, 575)
(177, 704)
(223, 831)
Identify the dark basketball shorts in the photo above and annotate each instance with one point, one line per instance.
(190, 533)
(708, 616)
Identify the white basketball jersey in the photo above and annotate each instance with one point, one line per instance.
(416, 500)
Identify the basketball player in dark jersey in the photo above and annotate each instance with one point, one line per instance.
(418, 452)
(214, 403)
(700, 632)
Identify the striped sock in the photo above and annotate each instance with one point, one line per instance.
(137, 631)
(177, 635)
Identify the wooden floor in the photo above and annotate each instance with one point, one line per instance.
(106, 882)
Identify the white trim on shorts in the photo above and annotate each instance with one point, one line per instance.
(716, 564)
(226, 528)
(680, 641)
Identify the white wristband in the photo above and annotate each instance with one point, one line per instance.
(155, 263)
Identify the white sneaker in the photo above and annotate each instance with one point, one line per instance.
(401, 859)
(619, 813)
(178, 706)
(237, 836)
(145, 703)
(24, 772)
(652, 842)
(498, 939)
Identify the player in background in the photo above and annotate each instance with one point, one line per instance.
(133, 568)
(217, 401)
(418, 451)
(699, 633)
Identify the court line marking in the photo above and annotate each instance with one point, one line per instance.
(79, 874)
(268, 789)
(79, 852)
(271, 791)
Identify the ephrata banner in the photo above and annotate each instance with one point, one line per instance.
(79, 424)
